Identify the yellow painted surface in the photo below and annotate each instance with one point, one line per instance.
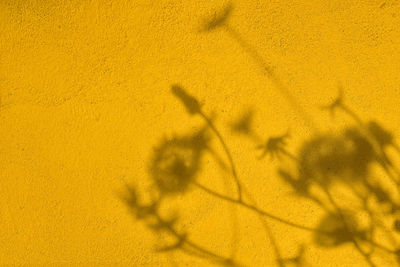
(85, 90)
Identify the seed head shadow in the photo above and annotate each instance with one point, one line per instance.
(354, 160)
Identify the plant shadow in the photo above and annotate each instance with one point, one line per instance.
(356, 160)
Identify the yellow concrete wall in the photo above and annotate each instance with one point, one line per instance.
(85, 97)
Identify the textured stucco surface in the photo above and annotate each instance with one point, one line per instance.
(85, 95)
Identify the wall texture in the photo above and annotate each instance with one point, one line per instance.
(85, 96)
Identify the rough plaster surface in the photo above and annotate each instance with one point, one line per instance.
(84, 89)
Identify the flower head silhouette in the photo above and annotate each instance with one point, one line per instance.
(333, 231)
(243, 125)
(219, 19)
(176, 162)
(191, 104)
(275, 146)
(345, 156)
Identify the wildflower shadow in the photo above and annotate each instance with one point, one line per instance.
(354, 160)
(325, 161)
